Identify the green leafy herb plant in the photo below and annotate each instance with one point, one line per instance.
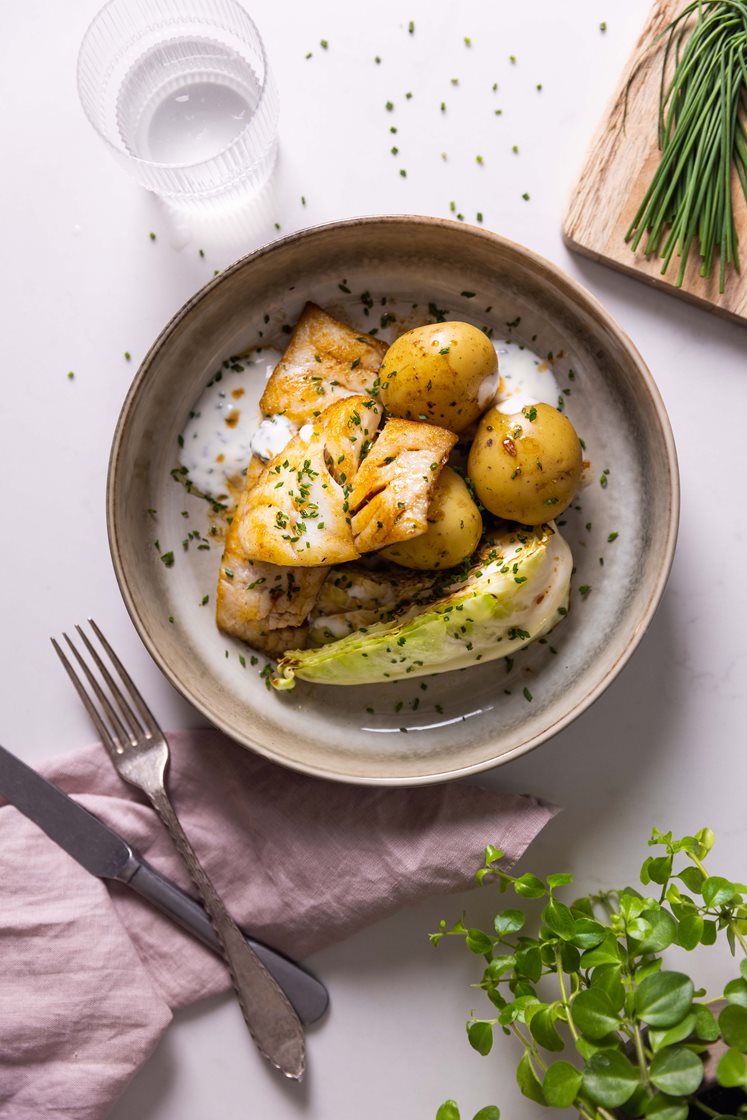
(591, 982)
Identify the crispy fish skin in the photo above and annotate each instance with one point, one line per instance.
(395, 483)
(263, 604)
(297, 512)
(324, 361)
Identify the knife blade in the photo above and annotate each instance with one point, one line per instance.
(105, 854)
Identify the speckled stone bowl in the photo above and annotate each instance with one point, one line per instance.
(461, 722)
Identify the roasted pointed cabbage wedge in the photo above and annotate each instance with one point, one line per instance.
(297, 513)
(516, 590)
(324, 361)
(395, 483)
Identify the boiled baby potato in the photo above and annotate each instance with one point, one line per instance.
(454, 529)
(526, 466)
(443, 373)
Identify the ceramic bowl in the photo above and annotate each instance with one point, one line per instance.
(460, 722)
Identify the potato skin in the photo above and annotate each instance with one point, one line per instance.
(442, 373)
(454, 529)
(526, 467)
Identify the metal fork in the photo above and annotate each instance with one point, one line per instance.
(140, 755)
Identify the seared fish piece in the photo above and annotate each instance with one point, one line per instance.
(395, 483)
(324, 361)
(297, 512)
(263, 604)
(353, 597)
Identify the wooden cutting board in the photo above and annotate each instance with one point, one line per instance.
(616, 175)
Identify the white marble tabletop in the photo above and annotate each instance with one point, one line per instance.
(82, 283)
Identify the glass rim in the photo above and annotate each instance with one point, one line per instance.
(138, 160)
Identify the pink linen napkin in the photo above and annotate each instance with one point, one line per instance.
(90, 974)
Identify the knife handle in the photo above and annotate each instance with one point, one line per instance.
(308, 995)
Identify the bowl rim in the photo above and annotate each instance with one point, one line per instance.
(581, 297)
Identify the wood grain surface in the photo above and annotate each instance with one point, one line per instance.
(621, 160)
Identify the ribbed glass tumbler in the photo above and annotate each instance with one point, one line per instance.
(181, 93)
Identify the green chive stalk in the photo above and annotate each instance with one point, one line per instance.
(702, 139)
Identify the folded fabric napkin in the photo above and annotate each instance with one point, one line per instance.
(91, 974)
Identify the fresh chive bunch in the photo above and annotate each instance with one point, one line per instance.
(702, 139)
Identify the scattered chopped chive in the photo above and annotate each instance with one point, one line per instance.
(603, 481)
(612, 537)
(324, 44)
(512, 59)
(467, 41)
(394, 151)
(204, 600)
(495, 87)
(168, 559)
(408, 96)
(498, 112)
(478, 216)
(480, 160)
(70, 375)
(277, 225)
(201, 252)
(444, 156)
(152, 236)
(403, 173)
(539, 87)
(389, 106)
(525, 196)
(303, 200)
(308, 55)
(411, 27)
(392, 128)
(515, 149)
(584, 589)
(128, 356)
(171, 618)
(242, 661)
(377, 60)
(603, 26)
(454, 81)
(527, 694)
(443, 106)
(467, 295)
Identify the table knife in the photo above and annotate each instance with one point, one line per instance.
(107, 855)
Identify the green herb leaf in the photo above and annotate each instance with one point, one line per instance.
(529, 886)
(736, 992)
(561, 1085)
(490, 1112)
(594, 1014)
(706, 1026)
(542, 1029)
(718, 891)
(608, 952)
(662, 932)
(661, 1107)
(558, 918)
(731, 1071)
(480, 1037)
(659, 1039)
(508, 922)
(448, 1111)
(676, 1071)
(478, 942)
(588, 933)
(733, 1024)
(528, 1081)
(690, 931)
(664, 998)
(609, 1078)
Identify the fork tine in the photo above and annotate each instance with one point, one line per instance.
(142, 707)
(103, 730)
(125, 710)
(121, 736)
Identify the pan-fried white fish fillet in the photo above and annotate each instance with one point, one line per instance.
(263, 604)
(324, 361)
(352, 597)
(395, 483)
(297, 512)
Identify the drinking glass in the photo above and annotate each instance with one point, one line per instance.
(181, 93)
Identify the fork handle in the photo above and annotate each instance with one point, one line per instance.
(272, 1022)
